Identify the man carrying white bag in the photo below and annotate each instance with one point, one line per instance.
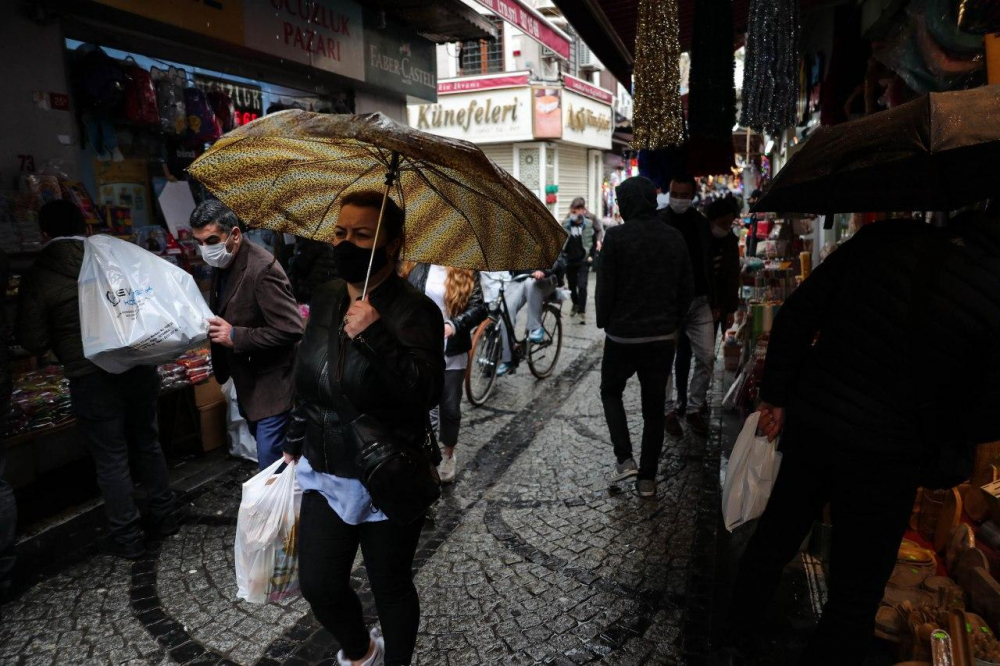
(75, 284)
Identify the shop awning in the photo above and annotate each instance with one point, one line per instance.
(440, 21)
(608, 27)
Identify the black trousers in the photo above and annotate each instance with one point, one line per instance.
(870, 501)
(8, 521)
(327, 548)
(446, 418)
(117, 415)
(651, 362)
(576, 276)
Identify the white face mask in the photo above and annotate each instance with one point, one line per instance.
(217, 255)
(680, 206)
(720, 232)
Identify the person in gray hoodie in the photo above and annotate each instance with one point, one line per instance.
(644, 289)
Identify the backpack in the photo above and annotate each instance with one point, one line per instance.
(170, 100)
(100, 83)
(203, 126)
(140, 95)
(225, 110)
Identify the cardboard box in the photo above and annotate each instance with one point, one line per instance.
(213, 425)
(208, 393)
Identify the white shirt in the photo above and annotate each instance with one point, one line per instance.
(434, 289)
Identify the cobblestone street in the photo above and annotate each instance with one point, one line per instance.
(530, 558)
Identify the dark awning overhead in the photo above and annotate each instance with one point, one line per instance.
(440, 21)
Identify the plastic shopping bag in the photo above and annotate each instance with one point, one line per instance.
(267, 529)
(136, 308)
(241, 442)
(750, 476)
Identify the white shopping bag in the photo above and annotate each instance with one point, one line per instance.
(136, 308)
(750, 475)
(241, 442)
(267, 560)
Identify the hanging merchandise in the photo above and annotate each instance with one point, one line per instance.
(658, 117)
(99, 82)
(170, 99)
(771, 72)
(225, 110)
(203, 126)
(140, 95)
(712, 97)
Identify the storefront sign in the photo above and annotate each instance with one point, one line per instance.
(222, 19)
(470, 84)
(547, 110)
(500, 117)
(247, 99)
(326, 34)
(398, 59)
(586, 122)
(587, 89)
(531, 23)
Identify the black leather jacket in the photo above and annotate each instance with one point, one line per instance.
(465, 322)
(393, 371)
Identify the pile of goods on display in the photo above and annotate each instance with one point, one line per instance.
(944, 587)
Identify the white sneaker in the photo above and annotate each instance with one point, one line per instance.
(377, 658)
(448, 468)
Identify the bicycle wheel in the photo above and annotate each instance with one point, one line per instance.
(481, 374)
(542, 356)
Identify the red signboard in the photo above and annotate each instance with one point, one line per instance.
(587, 90)
(59, 101)
(530, 23)
(486, 83)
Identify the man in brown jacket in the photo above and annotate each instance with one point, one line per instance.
(257, 325)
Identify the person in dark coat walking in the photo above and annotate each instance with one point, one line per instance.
(459, 296)
(310, 268)
(585, 235)
(880, 375)
(645, 289)
(116, 414)
(699, 323)
(256, 328)
(726, 285)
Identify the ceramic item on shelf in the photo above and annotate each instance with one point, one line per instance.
(888, 624)
(961, 540)
(971, 559)
(977, 504)
(931, 504)
(915, 513)
(961, 643)
(907, 576)
(915, 554)
(948, 519)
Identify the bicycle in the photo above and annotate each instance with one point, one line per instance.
(487, 346)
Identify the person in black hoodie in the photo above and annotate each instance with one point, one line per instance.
(699, 322)
(880, 376)
(644, 289)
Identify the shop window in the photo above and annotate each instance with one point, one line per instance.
(529, 168)
(482, 56)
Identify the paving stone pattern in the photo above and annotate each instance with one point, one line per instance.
(530, 558)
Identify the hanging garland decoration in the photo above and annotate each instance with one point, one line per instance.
(658, 117)
(712, 101)
(771, 71)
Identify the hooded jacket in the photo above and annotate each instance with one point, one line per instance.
(48, 315)
(893, 337)
(645, 285)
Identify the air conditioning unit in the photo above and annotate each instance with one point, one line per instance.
(588, 60)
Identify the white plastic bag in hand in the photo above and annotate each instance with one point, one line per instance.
(267, 530)
(136, 308)
(750, 475)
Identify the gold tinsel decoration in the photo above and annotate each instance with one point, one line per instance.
(658, 116)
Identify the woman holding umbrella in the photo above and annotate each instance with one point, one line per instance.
(382, 356)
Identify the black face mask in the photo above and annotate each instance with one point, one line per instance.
(352, 261)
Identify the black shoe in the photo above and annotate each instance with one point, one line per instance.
(673, 425)
(129, 550)
(164, 527)
(698, 423)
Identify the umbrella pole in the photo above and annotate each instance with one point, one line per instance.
(390, 177)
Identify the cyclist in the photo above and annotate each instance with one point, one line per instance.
(458, 294)
(533, 291)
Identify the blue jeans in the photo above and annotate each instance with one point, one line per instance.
(270, 436)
